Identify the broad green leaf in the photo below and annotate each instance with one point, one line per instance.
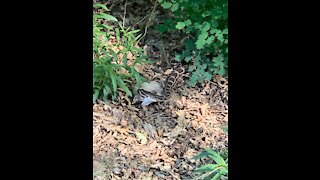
(187, 59)
(201, 155)
(200, 70)
(139, 50)
(218, 59)
(178, 57)
(218, 64)
(117, 66)
(132, 32)
(187, 22)
(214, 24)
(201, 79)
(166, 5)
(137, 76)
(105, 16)
(136, 38)
(216, 176)
(212, 31)
(200, 43)
(221, 71)
(204, 66)
(210, 151)
(206, 13)
(138, 60)
(123, 86)
(114, 55)
(192, 68)
(114, 85)
(180, 25)
(197, 60)
(205, 26)
(198, 26)
(207, 75)
(224, 170)
(215, 156)
(95, 95)
(210, 39)
(218, 32)
(220, 37)
(193, 80)
(189, 29)
(203, 35)
(101, 6)
(106, 26)
(225, 31)
(174, 7)
(185, 53)
(106, 92)
(125, 62)
(206, 168)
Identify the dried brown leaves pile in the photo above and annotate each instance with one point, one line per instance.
(158, 142)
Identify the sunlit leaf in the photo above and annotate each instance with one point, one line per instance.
(101, 6)
(180, 25)
(105, 16)
(174, 7)
(166, 5)
(141, 137)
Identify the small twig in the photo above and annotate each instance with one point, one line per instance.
(142, 19)
(146, 28)
(181, 43)
(124, 15)
(174, 175)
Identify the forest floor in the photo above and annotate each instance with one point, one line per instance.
(157, 142)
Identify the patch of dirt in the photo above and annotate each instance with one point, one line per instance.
(157, 141)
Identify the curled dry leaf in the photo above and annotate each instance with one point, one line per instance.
(204, 108)
(141, 137)
(165, 167)
(179, 104)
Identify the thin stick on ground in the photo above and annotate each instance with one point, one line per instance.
(147, 25)
(124, 15)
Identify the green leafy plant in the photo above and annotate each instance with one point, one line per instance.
(216, 171)
(205, 24)
(111, 69)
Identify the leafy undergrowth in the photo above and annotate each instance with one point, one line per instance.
(159, 141)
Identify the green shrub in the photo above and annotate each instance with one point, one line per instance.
(205, 24)
(216, 171)
(110, 71)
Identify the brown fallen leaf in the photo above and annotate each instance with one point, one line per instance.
(142, 138)
(181, 113)
(165, 167)
(204, 108)
(175, 132)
